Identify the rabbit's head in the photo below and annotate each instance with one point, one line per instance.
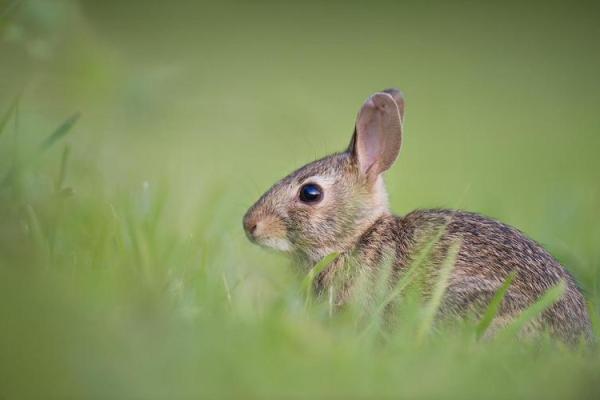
(327, 205)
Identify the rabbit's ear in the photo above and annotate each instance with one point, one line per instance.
(378, 133)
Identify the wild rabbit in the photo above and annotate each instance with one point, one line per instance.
(339, 204)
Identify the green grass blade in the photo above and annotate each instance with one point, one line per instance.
(61, 131)
(550, 297)
(406, 279)
(435, 301)
(377, 299)
(8, 114)
(307, 283)
(424, 254)
(62, 172)
(494, 306)
(37, 233)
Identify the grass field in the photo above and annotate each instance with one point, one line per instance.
(134, 135)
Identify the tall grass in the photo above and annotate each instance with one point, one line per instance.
(104, 300)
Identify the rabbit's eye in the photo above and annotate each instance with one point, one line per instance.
(310, 193)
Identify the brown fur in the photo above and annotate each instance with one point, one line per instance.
(353, 219)
(489, 252)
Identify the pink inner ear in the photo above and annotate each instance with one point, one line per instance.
(369, 145)
(379, 131)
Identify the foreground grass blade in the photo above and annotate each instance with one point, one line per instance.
(62, 172)
(60, 132)
(434, 303)
(307, 283)
(494, 306)
(406, 279)
(550, 297)
(408, 276)
(37, 233)
(9, 113)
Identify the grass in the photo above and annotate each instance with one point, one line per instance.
(124, 270)
(494, 306)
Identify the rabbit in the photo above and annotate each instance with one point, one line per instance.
(339, 204)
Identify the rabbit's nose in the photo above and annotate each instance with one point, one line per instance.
(250, 225)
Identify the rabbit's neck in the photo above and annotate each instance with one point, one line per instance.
(370, 248)
(376, 209)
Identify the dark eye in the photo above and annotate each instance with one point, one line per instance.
(310, 193)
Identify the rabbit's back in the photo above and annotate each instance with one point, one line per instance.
(489, 252)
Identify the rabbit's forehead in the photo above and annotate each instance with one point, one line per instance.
(326, 171)
(311, 172)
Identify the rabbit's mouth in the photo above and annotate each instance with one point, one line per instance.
(278, 244)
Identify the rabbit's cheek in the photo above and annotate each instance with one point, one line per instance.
(270, 228)
(301, 227)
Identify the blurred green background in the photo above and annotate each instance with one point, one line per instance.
(125, 273)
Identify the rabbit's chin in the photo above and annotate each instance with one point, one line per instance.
(278, 244)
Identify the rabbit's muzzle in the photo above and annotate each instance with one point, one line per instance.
(266, 230)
